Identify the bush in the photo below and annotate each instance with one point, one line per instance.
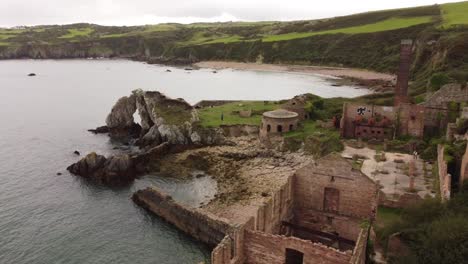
(438, 80)
(435, 232)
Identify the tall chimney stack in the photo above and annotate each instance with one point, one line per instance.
(401, 88)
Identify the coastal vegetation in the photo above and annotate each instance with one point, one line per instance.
(434, 232)
(228, 114)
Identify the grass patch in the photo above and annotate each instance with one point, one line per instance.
(455, 14)
(211, 116)
(387, 215)
(389, 24)
(317, 141)
(173, 114)
(75, 33)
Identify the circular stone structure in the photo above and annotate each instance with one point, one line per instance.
(278, 121)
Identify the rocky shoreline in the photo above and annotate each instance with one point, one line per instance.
(167, 125)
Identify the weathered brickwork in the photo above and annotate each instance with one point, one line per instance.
(401, 88)
(357, 193)
(445, 179)
(263, 248)
(371, 121)
(277, 209)
(299, 201)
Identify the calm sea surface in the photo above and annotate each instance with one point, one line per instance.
(49, 218)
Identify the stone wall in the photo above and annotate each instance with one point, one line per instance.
(445, 179)
(448, 93)
(464, 167)
(263, 248)
(239, 130)
(202, 226)
(404, 200)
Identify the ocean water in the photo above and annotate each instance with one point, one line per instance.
(50, 218)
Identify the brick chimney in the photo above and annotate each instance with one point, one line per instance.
(401, 88)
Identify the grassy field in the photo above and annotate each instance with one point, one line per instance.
(211, 117)
(389, 24)
(74, 33)
(455, 14)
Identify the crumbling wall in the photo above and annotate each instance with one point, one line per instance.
(357, 193)
(231, 249)
(464, 167)
(448, 93)
(404, 200)
(353, 111)
(278, 208)
(239, 130)
(411, 120)
(445, 179)
(263, 248)
(202, 226)
(359, 252)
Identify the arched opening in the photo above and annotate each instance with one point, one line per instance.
(268, 128)
(294, 256)
(279, 128)
(291, 127)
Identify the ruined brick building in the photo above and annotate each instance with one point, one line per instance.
(385, 122)
(322, 214)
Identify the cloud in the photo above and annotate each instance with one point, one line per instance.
(135, 12)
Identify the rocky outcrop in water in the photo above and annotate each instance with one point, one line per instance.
(116, 170)
(162, 120)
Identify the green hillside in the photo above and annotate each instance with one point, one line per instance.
(368, 40)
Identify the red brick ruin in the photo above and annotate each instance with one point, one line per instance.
(401, 88)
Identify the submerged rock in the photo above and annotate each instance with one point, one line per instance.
(100, 130)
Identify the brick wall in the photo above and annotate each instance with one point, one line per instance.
(263, 248)
(401, 88)
(277, 209)
(412, 120)
(357, 197)
(445, 178)
(409, 119)
(353, 111)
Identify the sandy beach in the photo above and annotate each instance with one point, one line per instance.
(360, 74)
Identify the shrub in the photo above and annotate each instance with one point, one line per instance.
(438, 80)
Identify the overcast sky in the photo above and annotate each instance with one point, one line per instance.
(139, 12)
